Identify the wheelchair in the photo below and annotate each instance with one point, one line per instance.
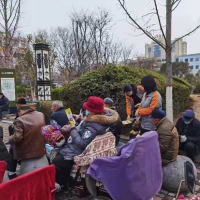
(101, 146)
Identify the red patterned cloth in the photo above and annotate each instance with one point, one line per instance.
(36, 185)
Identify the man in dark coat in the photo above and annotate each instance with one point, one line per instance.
(58, 117)
(189, 131)
(4, 104)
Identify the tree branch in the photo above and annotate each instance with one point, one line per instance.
(159, 21)
(147, 33)
(192, 31)
(178, 2)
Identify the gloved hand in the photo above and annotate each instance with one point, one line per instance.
(65, 130)
(183, 138)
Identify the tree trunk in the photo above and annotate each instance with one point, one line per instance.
(169, 98)
(6, 39)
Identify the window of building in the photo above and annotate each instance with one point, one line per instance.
(191, 59)
(196, 59)
(186, 60)
(191, 67)
(197, 66)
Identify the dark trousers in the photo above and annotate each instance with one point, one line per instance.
(63, 169)
(2, 109)
(190, 148)
(12, 163)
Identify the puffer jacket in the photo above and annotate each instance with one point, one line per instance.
(92, 126)
(148, 104)
(168, 141)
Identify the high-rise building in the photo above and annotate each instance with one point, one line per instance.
(153, 49)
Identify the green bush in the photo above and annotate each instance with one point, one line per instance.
(20, 91)
(55, 93)
(197, 88)
(45, 108)
(109, 81)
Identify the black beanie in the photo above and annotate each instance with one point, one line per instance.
(158, 114)
(127, 88)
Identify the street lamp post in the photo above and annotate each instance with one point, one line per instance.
(43, 71)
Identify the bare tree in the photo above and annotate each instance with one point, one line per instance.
(66, 61)
(99, 26)
(10, 11)
(149, 30)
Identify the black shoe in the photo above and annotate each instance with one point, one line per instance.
(12, 176)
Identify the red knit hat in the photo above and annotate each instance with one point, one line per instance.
(94, 104)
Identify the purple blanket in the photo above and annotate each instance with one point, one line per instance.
(135, 173)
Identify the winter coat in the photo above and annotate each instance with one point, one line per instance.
(168, 140)
(4, 103)
(149, 103)
(4, 156)
(116, 128)
(60, 117)
(131, 101)
(191, 131)
(92, 126)
(27, 138)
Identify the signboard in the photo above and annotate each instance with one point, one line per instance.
(8, 88)
(7, 83)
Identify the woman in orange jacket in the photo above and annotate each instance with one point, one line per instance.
(133, 95)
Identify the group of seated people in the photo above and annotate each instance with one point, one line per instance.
(27, 142)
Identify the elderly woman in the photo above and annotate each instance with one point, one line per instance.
(151, 100)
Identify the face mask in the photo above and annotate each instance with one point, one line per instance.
(188, 122)
(130, 93)
(86, 113)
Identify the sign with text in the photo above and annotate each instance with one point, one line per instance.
(7, 83)
(8, 88)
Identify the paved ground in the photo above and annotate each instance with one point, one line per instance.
(162, 195)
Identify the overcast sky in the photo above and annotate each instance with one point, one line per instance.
(46, 14)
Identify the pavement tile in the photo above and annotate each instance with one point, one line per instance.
(197, 188)
(168, 198)
(172, 194)
(190, 195)
(198, 182)
(164, 191)
(160, 195)
(157, 198)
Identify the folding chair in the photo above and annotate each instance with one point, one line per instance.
(189, 178)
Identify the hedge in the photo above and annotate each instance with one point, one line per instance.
(45, 107)
(109, 81)
(55, 93)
